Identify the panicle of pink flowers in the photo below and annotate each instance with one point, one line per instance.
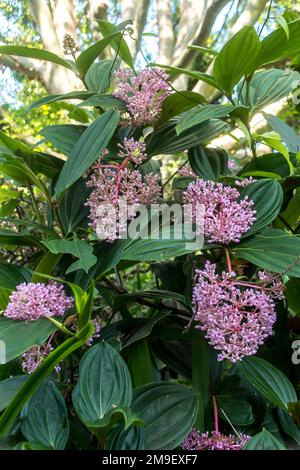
(232, 165)
(227, 217)
(186, 171)
(236, 316)
(133, 150)
(143, 93)
(213, 441)
(36, 300)
(32, 358)
(112, 189)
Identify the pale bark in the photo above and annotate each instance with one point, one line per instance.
(136, 10)
(98, 10)
(64, 19)
(165, 31)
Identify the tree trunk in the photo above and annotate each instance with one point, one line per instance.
(136, 10)
(165, 31)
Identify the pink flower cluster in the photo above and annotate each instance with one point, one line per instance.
(236, 316)
(133, 150)
(113, 188)
(36, 300)
(143, 93)
(244, 182)
(32, 358)
(226, 217)
(213, 441)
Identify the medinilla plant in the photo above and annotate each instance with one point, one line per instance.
(114, 340)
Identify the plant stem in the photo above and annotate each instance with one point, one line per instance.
(215, 413)
(228, 260)
(60, 326)
(200, 379)
(34, 203)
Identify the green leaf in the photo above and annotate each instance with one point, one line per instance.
(87, 149)
(119, 44)
(78, 248)
(287, 134)
(87, 57)
(202, 77)
(73, 95)
(273, 163)
(7, 237)
(8, 389)
(103, 101)
(19, 336)
(208, 163)
(264, 441)
(237, 58)
(44, 419)
(12, 275)
(168, 410)
(274, 250)
(289, 426)
(165, 140)
(268, 380)
(277, 46)
(104, 386)
(177, 103)
(277, 145)
(37, 377)
(99, 75)
(232, 399)
(283, 23)
(203, 113)
(140, 364)
(268, 86)
(72, 211)
(63, 136)
(267, 196)
(33, 53)
(126, 439)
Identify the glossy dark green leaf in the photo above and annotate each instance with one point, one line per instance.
(267, 196)
(232, 401)
(118, 44)
(78, 248)
(44, 418)
(177, 103)
(87, 57)
(264, 441)
(168, 410)
(126, 439)
(277, 46)
(8, 389)
(268, 380)
(19, 336)
(237, 58)
(63, 136)
(200, 114)
(72, 210)
(99, 75)
(270, 162)
(287, 134)
(202, 77)
(289, 426)
(103, 101)
(165, 140)
(33, 53)
(73, 95)
(274, 250)
(104, 386)
(208, 163)
(87, 149)
(12, 275)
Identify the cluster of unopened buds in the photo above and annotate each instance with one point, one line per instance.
(117, 188)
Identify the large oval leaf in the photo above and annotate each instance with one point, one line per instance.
(264, 441)
(274, 250)
(63, 136)
(168, 411)
(87, 149)
(44, 419)
(8, 389)
(267, 196)
(34, 53)
(268, 380)
(126, 439)
(104, 385)
(208, 163)
(202, 113)
(19, 336)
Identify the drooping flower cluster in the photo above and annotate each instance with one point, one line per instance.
(133, 150)
(143, 93)
(36, 300)
(213, 441)
(236, 316)
(32, 358)
(116, 197)
(244, 182)
(226, 217)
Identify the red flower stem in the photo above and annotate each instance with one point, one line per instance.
(216, 413)
(228, 260)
